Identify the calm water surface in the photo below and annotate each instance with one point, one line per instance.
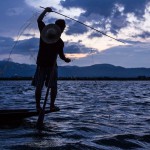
(95, 115)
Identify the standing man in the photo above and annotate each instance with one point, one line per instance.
(47, 63)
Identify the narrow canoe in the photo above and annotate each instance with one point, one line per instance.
(17, 115)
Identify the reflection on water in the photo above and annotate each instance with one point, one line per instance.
(94, 115)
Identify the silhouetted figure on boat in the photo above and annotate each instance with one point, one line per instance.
(47, 62)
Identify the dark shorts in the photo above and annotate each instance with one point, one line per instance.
(45, 76)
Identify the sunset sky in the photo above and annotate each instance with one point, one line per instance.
(126, 20)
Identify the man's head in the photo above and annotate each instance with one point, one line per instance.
(61, 23)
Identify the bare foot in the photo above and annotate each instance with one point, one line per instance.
(55, 108)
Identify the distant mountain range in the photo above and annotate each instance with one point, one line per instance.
(11, 69)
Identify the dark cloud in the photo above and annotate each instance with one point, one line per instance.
(118, 21)
(105, 7)
(101, 7)
(126, 56)
(72, 49)
(27, 46)
(13, 15)
(99, 12)
(5, 45)
(5, 41)
(144, 35)
(76, 28)
(78, 48)
(24, 47)
(137, 7)
(131, 42)
(95, 34)
(28, 35)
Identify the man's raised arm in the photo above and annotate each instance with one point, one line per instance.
(47, 9)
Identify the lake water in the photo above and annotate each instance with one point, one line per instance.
(94, 115)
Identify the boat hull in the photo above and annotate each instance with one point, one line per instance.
(12, 116)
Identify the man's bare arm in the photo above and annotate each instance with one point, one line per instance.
(40, 18)
(63, 57)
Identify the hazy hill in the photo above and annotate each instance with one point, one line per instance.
(11, 69)
(103, 70)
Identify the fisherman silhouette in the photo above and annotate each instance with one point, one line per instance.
(46, 69)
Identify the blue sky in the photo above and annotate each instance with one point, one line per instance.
(125, 20)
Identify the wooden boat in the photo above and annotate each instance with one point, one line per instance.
(14, 116)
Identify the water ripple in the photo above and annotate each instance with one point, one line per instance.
(101, 115)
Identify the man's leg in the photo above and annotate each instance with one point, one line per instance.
(39, 81)
(38, 93)
(53, 97)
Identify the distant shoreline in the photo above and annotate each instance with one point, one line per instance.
(81, 78)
